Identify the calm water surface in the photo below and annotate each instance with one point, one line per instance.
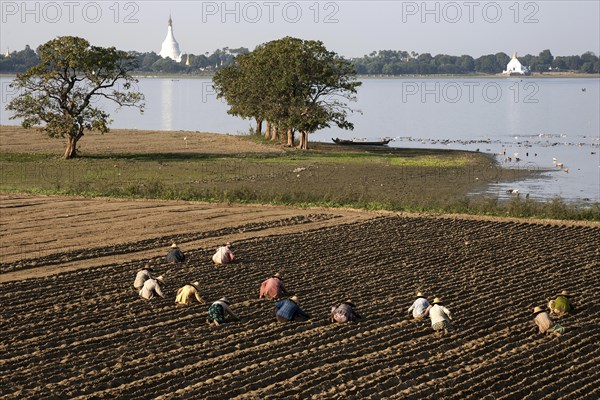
(526, 123)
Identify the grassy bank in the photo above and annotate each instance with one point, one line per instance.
(422, 180)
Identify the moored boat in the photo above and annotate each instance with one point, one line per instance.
(360, 142)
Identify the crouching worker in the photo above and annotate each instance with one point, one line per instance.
(440, 317)
(186, 294)
(562, 305)
(152, 287)
(175, 255)
(289, 310)
(419, 307)
(142, 276)
(224, 255)
(218, 311)
(545, 324)
(272, 288)
(344, 313)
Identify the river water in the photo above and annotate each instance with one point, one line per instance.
(551, 125)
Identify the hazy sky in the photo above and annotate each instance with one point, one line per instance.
(351, 28)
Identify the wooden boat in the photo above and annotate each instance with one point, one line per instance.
(361, 143)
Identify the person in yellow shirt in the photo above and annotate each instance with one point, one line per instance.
(186, 294)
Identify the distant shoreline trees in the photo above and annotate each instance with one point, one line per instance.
(382, 62)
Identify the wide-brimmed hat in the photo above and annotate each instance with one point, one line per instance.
(174, 245)
(537, 310)
(565, 293)
(160, 278)
(437, 300)
(196, 284)
(349, 302)
(224, 300)
(148, 267)
(419, 294)
(294, 299)
(277, 275)
(228, 244)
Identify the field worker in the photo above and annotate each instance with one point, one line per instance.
(419, 307)
(344, 313)
(545, 324)
(273, 287)
(440, 317)
(224, 255)
(151, 287)
(186, 294)
(175, 255)
(289, 310)
(218, 311)
(142, 276)
(562, 304)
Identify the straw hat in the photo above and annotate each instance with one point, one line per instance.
(565, 293)
(437, 300)
(277, 275)
(160, 278)
(174, 245)
(349, 302)
(419, 294)
(148, 267)
(224, 300)
(537, 310)
(294, 299)
(196, 284)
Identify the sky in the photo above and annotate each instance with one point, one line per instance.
(350, 28)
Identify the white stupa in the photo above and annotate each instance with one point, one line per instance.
(170, 47)
(514, 67)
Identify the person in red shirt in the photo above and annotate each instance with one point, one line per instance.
(273, 287)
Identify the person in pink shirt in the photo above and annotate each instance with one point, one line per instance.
(273, 288)
(224, 255)
(545, 324)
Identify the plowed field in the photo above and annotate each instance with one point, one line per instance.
(82, 332)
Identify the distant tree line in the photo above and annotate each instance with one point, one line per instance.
(382, 62)
(397, 62)
(21, 61)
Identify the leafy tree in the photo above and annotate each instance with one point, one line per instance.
(61, 90)
(296, 85)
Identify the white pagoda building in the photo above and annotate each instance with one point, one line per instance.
(170, 47)
(514, 67)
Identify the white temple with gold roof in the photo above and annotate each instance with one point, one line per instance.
(514, 67)
(170, 47)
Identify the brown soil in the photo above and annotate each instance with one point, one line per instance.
(77, 329)
(18, 140)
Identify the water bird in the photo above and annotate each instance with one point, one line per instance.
(559, 165)
(513, 191)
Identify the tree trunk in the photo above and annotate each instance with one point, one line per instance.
(290, 137)
(275, 133)
(258, 126)
(71, 151)
(268, 130)
(304, 140)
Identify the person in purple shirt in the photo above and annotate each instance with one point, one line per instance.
(419, 307)
(289, 310)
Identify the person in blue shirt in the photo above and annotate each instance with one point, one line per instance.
(289, 310)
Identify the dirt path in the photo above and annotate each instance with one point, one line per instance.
(39, 227)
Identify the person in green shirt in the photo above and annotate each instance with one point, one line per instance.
(562, 304)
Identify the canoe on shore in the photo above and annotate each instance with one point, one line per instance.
(361, 143)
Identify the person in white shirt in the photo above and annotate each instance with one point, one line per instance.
(142, 276)
(152, 287)
(440, 317)
(224, 255)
